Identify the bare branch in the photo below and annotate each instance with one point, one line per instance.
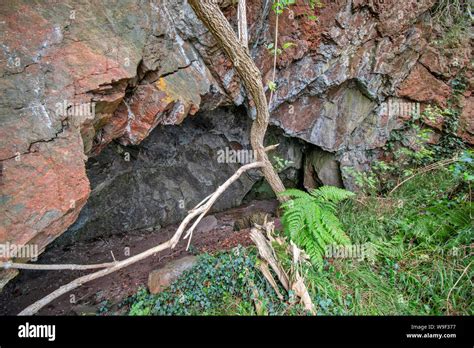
(242, 23)
(9, 264)
(208, 11)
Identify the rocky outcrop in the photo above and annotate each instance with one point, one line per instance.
(466, 122)
(75, 77)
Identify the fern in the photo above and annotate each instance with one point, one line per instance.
(443, 221)
(310, 220)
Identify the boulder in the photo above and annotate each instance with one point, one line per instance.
(321, 168)
(207, 224)
(160, 279)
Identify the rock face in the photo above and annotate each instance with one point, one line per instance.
(321, 168)
(75, 77)
(160, 279)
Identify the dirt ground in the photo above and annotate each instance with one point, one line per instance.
(30, 286)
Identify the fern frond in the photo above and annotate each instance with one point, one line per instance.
(310, 220)
(332, 224)
(295, 193)
(331, 194)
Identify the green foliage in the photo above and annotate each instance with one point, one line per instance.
(274, 51)
(280, 5)
(271, 47)
(422, 237)
(310, 220)
(409, 147)
(454, 16)
(463, 168)
(315, 3)
(272, 86)
(279, 163)
(366, 181)
(288, 44)
(227, 283)
(104, 307)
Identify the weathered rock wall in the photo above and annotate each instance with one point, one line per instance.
(135, 65)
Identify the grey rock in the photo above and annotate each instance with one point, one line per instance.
(321, 168)
(169, 173)
(208, 223)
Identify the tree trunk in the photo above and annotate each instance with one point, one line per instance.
(210, 14)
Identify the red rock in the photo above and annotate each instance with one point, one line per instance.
(422, 86)
(466, 121)
(433, 60)
(97, 57)
(300, 115)
(43, 191)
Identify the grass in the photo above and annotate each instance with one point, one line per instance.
(415, 265)
(412, 271)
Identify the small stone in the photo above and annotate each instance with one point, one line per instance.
(85, 310)
(207, 224)
(161, 278)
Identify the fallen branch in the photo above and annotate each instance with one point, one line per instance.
(302, 292)
(263, 266)
(72, 267)
(189, 233)
(266, 252)
(171, 243)
(75, 267)
(294, 282)
(209, 13)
